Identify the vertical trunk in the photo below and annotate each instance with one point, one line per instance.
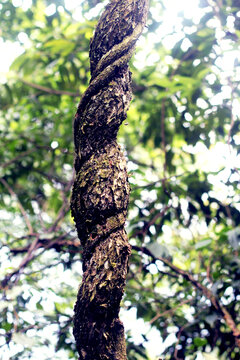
(101, 190)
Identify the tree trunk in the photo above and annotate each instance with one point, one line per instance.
(101, 191)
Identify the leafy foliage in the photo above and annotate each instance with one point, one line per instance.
(184, 214)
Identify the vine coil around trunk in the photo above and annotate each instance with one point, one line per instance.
(101, 190)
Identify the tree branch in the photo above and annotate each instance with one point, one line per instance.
(170, 311)
(206, 292)
(48, 90)
(14, 195)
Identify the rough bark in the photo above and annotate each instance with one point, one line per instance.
(101, 190)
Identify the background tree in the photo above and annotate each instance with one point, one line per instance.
(184, 272)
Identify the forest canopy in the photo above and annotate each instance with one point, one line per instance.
(182, 143)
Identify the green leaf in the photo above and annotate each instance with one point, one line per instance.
(199, 342)
(205, 32)
(158, 250)
(6, 326)
(203, 244)
(62, 46)
(18, 62)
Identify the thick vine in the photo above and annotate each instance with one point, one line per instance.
(101, 190)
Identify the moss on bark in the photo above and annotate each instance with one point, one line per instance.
(101, 190)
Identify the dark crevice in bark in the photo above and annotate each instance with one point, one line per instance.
(101, 190)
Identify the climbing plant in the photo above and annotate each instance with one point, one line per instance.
(181, 140)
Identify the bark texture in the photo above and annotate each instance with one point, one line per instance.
(101, 189)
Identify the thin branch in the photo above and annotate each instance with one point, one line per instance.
(14, 195)
(30, 273)
(163, 125)
(170, 311)
(163, 141)
(168, 179)
(206, 292)
(51, 177)
(56, 244)
(209, 277)
(24, 153)
(50, 91)
(175, 355)
(64, 208)
(27, 258)
(152, 222)
(233, 118)
(31, 250)
(216, 6)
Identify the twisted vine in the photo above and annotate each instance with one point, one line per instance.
(101, 190)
